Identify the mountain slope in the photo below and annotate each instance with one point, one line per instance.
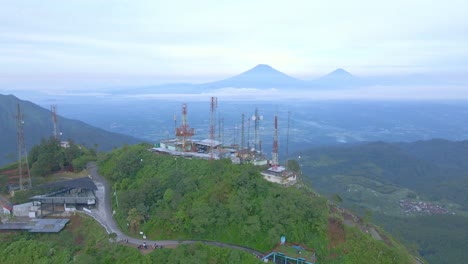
(219, 201)
(339, 78)
(383, 178)
(38, 125)
(261, 76)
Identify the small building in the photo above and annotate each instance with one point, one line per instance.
(200, 149)
(206, 145)
(280, 175)
(290, 253)
(30, 209)
(259, 161)
(64, 144)
(67, 195)
(7, 206)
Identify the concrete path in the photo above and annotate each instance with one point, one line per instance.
(103, 214)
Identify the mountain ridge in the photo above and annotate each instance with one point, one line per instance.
(261, 76)
(38, 125)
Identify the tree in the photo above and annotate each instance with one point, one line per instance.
(134, 219)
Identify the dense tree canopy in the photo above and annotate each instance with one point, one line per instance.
(175, 198)
(49, 157)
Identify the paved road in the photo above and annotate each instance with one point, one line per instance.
(103, 214)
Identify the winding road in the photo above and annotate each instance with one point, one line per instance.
(103, 214)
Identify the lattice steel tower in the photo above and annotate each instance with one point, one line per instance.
(24, 180)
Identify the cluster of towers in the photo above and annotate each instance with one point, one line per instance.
(24, 173)
(244, 150)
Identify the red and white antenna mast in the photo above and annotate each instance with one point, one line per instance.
(184, 132)
(213, 107)
(275, 145)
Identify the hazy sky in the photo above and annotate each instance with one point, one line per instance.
(103, 42)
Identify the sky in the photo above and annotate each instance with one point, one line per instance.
(84, 44)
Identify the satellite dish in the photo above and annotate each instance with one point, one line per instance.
(253, 118)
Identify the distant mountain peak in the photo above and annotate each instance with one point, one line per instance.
(263, 68)
(340, 72)
(260, 76)
(338, 75)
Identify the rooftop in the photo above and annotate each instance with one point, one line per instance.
(37, 225)
(79, 183)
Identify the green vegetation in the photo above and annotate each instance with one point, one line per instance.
(196, 199)
(49, 157)
(85, 241)
(439, 238)
(38, 125)
(200, 253)
(176, 198)
(82, 241)
(45, 161)
(374, 177)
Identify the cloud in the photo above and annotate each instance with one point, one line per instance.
(397, 93)
(208, 37)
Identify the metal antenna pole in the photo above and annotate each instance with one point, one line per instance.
(22, 153)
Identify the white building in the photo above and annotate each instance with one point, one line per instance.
(279, 175)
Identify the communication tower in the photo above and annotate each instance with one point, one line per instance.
(24, 180)
(213, 107)
(287, 136)
(185, 133)
(242, 133)
(275, 145)
(55, 132)
(256, 118)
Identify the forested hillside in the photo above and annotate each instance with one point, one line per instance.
(436, 169)
(84, 241)
(174, 198)
(38, 125)
(373, 178)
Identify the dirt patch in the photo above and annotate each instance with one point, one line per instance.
(379, 235)
(352, 220)
(75, 223)
(385, 239)
(336, 232)
(144, 251)
(9, 172)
